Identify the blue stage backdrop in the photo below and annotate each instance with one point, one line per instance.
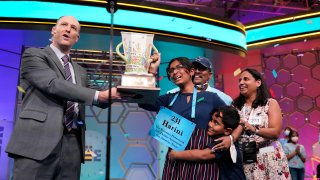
(10, 49)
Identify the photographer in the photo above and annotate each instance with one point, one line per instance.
(263, 156)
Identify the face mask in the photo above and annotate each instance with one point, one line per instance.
(294, 139)
(286, 132)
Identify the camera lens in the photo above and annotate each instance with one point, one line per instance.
(248, 132)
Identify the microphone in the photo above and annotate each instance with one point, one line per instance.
(112, 6)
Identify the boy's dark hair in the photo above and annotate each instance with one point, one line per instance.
(229, 115)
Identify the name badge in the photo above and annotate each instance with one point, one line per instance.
(171, 129)
(255, 120)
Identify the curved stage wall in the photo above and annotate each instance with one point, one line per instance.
(134, 154)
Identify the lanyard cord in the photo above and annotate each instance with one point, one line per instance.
(194, 98)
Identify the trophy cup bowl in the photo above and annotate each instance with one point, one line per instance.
(137, 52)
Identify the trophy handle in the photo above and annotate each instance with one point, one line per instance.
(119, 53)
(154, 49)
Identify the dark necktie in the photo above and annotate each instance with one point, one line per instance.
(70, 111)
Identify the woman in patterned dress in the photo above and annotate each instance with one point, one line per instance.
(180, 71)
(262, 123)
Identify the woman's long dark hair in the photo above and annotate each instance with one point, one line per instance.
(262, 92)
(184, 61)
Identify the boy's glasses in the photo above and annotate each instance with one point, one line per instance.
(178, 68)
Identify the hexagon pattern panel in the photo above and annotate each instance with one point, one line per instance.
(134, 154)
(294, 80)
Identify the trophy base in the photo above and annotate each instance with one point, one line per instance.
(141, 95)
(138, 80)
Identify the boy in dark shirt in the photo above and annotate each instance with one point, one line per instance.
(224, 121)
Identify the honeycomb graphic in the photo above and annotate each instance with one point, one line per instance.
(297, 89)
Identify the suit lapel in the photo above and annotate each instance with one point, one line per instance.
(76, 73)
(55, 59)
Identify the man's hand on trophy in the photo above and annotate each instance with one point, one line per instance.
(104, 95)
(154, 65)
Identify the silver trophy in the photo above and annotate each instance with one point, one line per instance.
(137, 52)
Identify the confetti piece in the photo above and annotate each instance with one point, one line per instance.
(300, 55)
(272, 93)
(275, 75)
(160, 78)
(276, 45)
(126, 135)
(20, 89)
(237, 72)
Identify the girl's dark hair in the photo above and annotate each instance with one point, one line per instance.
(262, 91)
(184, 61)
(291, 134)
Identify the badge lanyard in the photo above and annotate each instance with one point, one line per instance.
(194, 98)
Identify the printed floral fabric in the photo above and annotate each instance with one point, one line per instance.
(269, 165)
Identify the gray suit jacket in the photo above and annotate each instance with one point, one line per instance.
(39, 127)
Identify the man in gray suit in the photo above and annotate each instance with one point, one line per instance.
(43, 145)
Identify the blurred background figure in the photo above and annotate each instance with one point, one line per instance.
(296, 155)
(285, 138)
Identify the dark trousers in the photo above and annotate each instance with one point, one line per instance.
(297, 173)
(63, 163)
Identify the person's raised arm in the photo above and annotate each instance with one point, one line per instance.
(155, 63)
(192, 155)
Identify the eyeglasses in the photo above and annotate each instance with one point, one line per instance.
(178, 68)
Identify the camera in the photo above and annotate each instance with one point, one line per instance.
(249, 152)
